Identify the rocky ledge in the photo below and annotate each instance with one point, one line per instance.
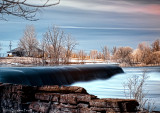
(55, 99)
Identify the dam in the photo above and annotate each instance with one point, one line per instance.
(57, 75)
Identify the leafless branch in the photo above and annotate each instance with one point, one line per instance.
(22, 8)
(134, 88)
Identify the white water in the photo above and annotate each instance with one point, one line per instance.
(113, 87)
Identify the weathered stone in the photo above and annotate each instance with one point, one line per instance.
(52, 89)
(73, 89)
(47, 96)
(55, 99)
(103, 103)
(63, 108)
(40, 107)
(85, 97)
(81, 105)
(34, 106)
(43, 96)
(56, 110)
(125, 104)
(105, 109)
(86, 110)
(68, 110)
(5, 86)
(128, 106)
(68, 98)
(68, 106)
(55, 103)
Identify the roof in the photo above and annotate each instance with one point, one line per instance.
(19, 49)
(16, 50)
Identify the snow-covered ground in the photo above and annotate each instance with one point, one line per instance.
(93, 61)
(23, 61)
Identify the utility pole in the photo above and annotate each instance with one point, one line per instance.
(10, 46)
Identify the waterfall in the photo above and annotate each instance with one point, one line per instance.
(57, 75)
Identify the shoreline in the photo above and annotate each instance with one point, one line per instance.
(30, 62)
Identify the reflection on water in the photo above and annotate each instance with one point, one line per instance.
(113, 87)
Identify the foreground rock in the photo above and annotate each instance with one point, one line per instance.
(55, 99)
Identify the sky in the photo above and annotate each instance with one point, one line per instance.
(93, 23)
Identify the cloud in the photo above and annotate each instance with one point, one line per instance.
(110, 28)
(120, 6)
(130, 21)
(40, 2)
(144, 1)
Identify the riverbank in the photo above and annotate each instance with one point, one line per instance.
(64, 99)
(30, 61)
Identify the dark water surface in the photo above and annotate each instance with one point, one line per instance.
(58, 75)
(113, 87)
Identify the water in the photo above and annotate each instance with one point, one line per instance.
(101, 85)
(58, 75)
(113, 87)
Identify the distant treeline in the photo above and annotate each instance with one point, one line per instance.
(143, 55)
(57, 47)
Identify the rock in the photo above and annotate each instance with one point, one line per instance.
(103, 103)
(81, 105)
(55, 99)
(53, 89)
(40, 107)
(105, 109)
(85, 97)
(68, 98)
(86, 110)
(62, 89)
(68, 106)
(47, 96)
(73, 89)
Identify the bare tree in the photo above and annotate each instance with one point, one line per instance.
(93, 55)
(59, 45)
(81, 55)
(114, 49)
(145, 53)
(156, 45)
(155, 58)
(134, 88)
(54, 39)
(123, 55)
(106, 53)
(23, 8)
(70, 44)
(29, 41)
(136, 56)
(44, 54)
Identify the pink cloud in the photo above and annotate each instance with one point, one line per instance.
(151, 9)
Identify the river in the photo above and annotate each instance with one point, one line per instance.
(113, 87)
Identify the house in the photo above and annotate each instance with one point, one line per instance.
(17, 52)
(20, 52)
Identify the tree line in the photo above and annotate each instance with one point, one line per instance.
(55, 45)
(144, 54)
